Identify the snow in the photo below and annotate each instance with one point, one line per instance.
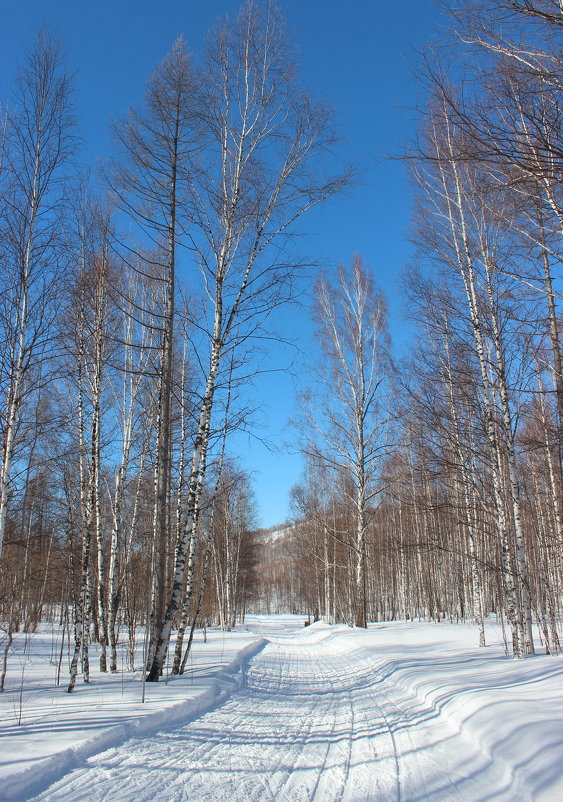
(275, 534)
(59, 730)
(277, 711)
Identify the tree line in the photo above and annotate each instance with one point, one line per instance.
(131, 308)
(433, 487)
(131, 305)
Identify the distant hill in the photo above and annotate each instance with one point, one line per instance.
(275, 550)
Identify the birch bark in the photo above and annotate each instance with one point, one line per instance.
(37, 143)
(244, 200)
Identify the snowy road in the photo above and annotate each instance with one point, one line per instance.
(316, 719)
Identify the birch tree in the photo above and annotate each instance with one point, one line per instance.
(347, 410)
(467, 243)
(514, 126)
(149, 183)
(314, 502)
(89, 340)
(38, 140)
(260, 170)
(133, 402)
(232, 523)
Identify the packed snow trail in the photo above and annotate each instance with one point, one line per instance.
(316, 719)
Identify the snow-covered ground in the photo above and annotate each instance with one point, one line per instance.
(404, 711)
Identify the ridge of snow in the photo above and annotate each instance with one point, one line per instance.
(220, 684)
(410, 710)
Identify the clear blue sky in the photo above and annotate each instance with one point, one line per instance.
(360, 56)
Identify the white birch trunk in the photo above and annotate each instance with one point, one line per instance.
(465, 265)
(185, 549)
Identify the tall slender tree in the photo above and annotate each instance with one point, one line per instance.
(38, 139)
(348, 409)
(260, 172)
(150, 185)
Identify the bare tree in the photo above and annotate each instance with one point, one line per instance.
(90, 333)
(149, 183)
(260, 171)
(38, 140)
(134, 414)
(466, 241)
(347, 412)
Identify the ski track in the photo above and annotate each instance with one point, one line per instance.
(311, 722)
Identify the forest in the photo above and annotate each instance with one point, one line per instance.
(133, 298)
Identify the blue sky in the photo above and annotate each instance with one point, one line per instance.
(359, 56)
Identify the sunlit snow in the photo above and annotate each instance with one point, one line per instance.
(277, 711)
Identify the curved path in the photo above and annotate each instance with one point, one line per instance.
(315, 720)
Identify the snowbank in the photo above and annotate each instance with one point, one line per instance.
(59, 731)
(513, 709)
(442, 706)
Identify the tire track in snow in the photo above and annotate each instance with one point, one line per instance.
(396, 754)
(318, 717)
(308, 725)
